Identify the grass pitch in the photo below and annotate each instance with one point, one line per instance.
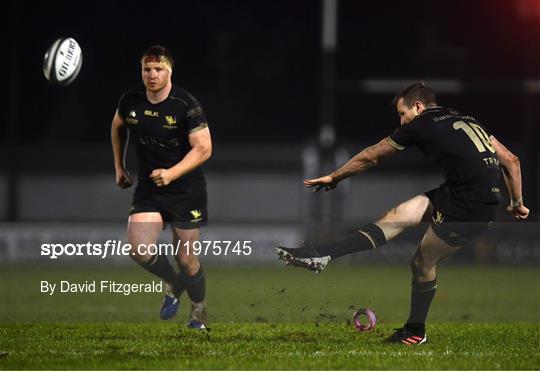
(273, 318)
(264, 346)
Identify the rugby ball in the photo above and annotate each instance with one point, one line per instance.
(63, 61)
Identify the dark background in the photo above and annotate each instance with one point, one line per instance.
(255, 65)
(256, 68)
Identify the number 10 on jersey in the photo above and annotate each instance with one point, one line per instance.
(477, 135)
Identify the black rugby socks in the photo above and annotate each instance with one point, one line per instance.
(421, 296)
(196, 286)
(368, 237)
(160, 266)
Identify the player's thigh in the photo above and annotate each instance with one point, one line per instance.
(409, 212)
(185, 235)
(405, 215)
(144, 228)
(433, 249)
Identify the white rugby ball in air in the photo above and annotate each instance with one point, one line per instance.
(63, 61)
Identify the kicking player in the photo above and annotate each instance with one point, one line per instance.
(462, 207)
(172, 141)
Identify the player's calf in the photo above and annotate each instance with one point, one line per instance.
(316, 257)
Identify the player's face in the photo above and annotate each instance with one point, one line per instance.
(406, 113)
(155, 76)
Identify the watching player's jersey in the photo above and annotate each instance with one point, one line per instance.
(161, 132)
(460, 145)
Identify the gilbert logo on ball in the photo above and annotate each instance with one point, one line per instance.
(369, 315)
(63, 61)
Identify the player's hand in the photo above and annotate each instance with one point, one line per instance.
(123, 178)
(325, 183)
(520, 212)
(161, 177)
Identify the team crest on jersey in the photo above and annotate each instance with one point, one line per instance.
(197, 215)
(132, 118)
(438, 217)
(171, 122)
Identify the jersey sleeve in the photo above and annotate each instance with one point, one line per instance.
(121, 108)
(195, 118)
(405, 135)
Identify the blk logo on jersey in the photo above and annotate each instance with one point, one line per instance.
(154, 114)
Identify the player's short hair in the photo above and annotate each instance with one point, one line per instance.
(415, 92)
(159, 54)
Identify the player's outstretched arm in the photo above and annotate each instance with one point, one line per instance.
(119, 140)
(365, 159)
(512, 176)
(201, 150)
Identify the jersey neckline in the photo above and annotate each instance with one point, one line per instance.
(160, 102)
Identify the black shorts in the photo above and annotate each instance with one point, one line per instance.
(186, 208)
(456, 231)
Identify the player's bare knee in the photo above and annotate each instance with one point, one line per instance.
(189, 267)
(420, 268)
(136, 255)
(416, 265)
(188, 261)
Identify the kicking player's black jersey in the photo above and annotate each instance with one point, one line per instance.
(460, 145)
(161, 132)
